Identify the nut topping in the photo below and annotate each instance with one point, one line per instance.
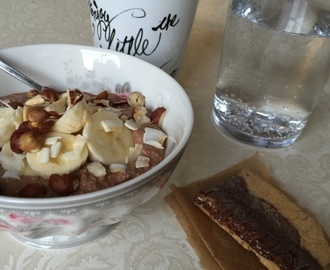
(65, 184)
(49, 94)
(15, 137)
(102, 95)
(31, 141)
(81, 140)
(36, 114)
(157, 116)
(33, 190)
(42, 127)
(32, 93)
(135, 99)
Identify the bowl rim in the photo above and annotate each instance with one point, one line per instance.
(89, 198)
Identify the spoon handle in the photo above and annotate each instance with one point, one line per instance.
(20, 76)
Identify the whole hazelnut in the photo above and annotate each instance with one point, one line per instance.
(31, 141)
(15, 104)
(135, 99)
(36, 114)
(33, 190)
(74, 96)
(102, 95)
(15, 136)
(49, 94)
(42, 127)
(32, 93)
(65, 184)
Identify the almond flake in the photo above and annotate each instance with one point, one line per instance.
(11, 174)
(112, 125)
(43, 155)
(96, 169)
(154, 137)
(52, 140)
(131, 124)
(117, 167)
(142, 162)
(55, 149)
(10, 162)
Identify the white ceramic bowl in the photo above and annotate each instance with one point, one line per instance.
(70, 221)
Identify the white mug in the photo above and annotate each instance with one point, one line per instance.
(156, 31)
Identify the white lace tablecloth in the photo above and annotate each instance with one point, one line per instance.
(151, 238)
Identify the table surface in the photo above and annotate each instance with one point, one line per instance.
(151, 237)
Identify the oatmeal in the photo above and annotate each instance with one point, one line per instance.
(61, 144)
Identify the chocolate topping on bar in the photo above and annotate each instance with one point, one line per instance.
(256, 222)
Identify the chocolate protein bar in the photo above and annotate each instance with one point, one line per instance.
(265, 221)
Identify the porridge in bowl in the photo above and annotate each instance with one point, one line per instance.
(60, 144)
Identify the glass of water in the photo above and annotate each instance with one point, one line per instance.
(275, 63)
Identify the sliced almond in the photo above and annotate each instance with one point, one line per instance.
(55, 149)
(142, 162)
(154, 137)
(11, 174)
(96, 169)
(43, 155)
(131, 124)
(139, 115)
(117, 167)
(135, 99)
(52, 140)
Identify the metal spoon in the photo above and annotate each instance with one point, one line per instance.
(20, 76)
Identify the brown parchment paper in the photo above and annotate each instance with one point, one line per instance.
(215, 248)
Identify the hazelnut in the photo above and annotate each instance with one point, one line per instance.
(33, 190)
(139, 114)
(42, 127)
(157, 116)
(31, 141)
(74, 96)
(135, 99)
(102, 95)
(116, 99)
(15, 136)
(49, 94)
(32, 93)
(36, 114)
(65, 184)
(15, 104)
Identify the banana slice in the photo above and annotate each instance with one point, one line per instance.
(9, 119)
(65, 154)
(73, 120)
(108, 139)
